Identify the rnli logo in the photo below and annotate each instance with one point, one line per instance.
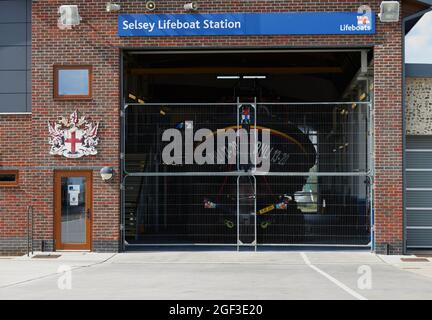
(363, 20)
(73, 137)
(364, 24)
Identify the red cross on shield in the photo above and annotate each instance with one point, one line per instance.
(73, 140)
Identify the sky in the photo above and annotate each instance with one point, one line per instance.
(419, 41)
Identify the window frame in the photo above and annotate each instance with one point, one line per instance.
(10, 183)
(57, 68)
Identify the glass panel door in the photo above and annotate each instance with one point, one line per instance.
(73, 212)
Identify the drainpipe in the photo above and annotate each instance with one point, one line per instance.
(404, 21)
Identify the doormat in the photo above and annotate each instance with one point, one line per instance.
(414, 260)
(46, 256)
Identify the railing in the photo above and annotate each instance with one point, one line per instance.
(30, 228)
(330, 149)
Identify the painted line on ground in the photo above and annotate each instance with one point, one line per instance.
(329, 277)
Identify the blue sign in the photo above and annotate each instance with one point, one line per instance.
(145, 25)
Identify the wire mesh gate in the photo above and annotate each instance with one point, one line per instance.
(204, 174)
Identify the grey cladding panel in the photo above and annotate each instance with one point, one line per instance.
(419, 218)
(419, 160)
(415, 198)
(419, 142)
(419, 238)
(29, 102)
(417, 70)
(13, 82)
(13, 58)
(418, 199)
(419, 179)
(13, 11)
(13, 102)
(13, 34)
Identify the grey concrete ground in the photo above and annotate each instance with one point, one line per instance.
(216, 275)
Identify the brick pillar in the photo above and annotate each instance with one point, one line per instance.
(388, 140)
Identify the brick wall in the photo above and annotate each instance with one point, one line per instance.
(15, 153)
(95, 42)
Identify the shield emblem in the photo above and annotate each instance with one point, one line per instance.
(73, 140)
(73, 137)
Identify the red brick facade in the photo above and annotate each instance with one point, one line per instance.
(24, 139)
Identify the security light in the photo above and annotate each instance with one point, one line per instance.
(228, 77)
(389, 11)
(106, 173)
(69, 15)
(192, 6)
(112, 7)
(150, 5)
(254, 77)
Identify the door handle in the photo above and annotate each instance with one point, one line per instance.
(89, 214)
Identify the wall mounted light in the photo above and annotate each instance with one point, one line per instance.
(389, 11)
(240, 77)
(150, 5)
(228, 77)
(254, 77)
(112, 7)
(69, 16)
(192, 6)
(107, 173)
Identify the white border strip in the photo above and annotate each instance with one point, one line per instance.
(418, 150)
(419, 228)
(335, 281)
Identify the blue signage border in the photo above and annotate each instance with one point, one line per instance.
(287, 23)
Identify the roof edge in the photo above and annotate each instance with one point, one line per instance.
(427, 2)
(418, 70)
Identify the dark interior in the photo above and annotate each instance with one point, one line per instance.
(289, 76)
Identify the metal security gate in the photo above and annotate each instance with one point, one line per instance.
(418, 194)
(247, 174)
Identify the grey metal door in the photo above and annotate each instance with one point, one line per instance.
(418, 193)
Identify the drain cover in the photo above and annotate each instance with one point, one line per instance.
(46, 256)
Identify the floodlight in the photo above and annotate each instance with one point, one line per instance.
(112, 7)
(192, 6)
(389, 11)
(69, 15)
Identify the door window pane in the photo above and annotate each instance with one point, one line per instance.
(73, 210)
